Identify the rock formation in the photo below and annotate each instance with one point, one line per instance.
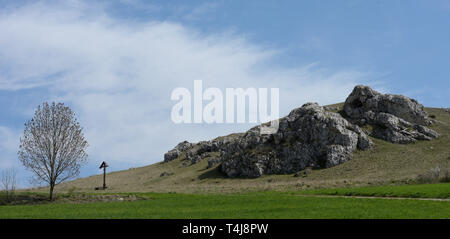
(395, 118)
(312, 136)
(177, 151)
(308, 137)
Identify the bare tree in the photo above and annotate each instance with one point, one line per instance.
(53, 146)
(9, 183)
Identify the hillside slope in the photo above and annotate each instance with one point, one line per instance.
(384, 163)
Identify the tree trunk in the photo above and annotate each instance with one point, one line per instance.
(52, 186)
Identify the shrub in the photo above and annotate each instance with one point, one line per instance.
(434, 175)
(71, 191)
(431, 176)
(9, 183)
(446, 176)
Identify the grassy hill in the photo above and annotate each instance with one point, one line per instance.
(384, 164)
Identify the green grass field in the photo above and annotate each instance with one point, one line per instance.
(254, 205)
(440, 190)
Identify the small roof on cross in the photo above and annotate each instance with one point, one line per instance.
(104, 165)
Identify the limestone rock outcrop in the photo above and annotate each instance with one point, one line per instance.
(395, 118)
(313, 136)
(177, 151)
(308, 137)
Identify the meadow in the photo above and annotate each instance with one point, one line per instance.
(439, 190)
(253, 205)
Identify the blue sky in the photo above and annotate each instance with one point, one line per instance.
(116, 62)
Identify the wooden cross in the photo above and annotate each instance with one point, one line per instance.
(104, 165)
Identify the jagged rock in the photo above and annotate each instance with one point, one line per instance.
(364, 101)
(163, 174)
(213, 162)
(177, 151)
(395, 118)
(303, 173)
(426, 131)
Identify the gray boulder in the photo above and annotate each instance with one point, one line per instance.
(395, 118)
(177, 151)
(364, 101)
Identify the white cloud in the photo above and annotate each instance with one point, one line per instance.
(118, 75)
